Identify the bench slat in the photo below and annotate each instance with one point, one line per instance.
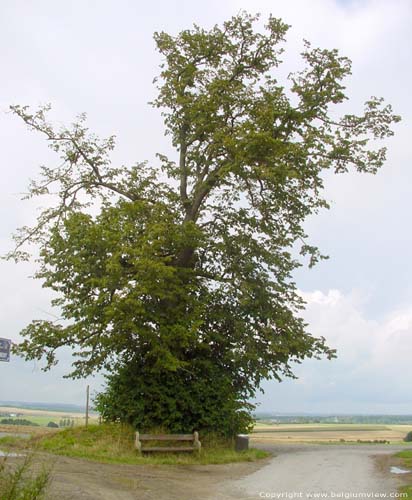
(166, 437)
(193, 438)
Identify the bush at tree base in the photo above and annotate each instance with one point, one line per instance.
(179, 402)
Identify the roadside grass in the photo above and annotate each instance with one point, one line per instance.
(406, 456)
(114, 443)
(13, 442)
(407, 490)
(21, 482)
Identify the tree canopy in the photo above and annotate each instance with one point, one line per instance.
(181, 274)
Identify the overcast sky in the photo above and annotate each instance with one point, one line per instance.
(99, 57)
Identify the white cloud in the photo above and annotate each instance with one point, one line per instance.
(372, 372)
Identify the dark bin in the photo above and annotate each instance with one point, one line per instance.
(242, 442)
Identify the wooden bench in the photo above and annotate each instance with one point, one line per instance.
(195, 444)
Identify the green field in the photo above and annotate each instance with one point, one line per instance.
(44, 420)
(42, 417)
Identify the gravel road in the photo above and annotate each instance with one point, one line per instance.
(319, 471)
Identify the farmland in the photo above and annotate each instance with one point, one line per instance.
(42, 417)
(265, 431)
(329, 433)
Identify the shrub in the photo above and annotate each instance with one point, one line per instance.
(201, 399)
(408, 437)
(18, 483)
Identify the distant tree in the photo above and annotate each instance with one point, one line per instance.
(52, 424)
(17, 421)
(181, 277)
(408, 437)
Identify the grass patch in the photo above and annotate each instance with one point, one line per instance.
(407, 490)
(406, 456)
(115, 444)
(13, 442)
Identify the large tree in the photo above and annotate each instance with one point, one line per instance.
(177, 278)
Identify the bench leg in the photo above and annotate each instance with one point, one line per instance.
(196, 443)
(137, 443)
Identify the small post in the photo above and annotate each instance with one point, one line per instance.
(196, 443)
(87, 406)
(137, 443)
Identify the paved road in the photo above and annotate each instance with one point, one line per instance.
(318, 471)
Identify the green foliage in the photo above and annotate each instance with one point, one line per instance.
(66, 422)
(114, 443)
(182, 272)
(19, 483)
(53, 424)
(408, 437)
(201, 398)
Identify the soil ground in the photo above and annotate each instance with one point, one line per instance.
(75, 479)
(295, 471)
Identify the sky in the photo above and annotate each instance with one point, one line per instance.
(99, 57)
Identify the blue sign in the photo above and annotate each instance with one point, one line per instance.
(5, 345)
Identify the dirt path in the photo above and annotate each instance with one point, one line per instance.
(295, 472)
(75, 479)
